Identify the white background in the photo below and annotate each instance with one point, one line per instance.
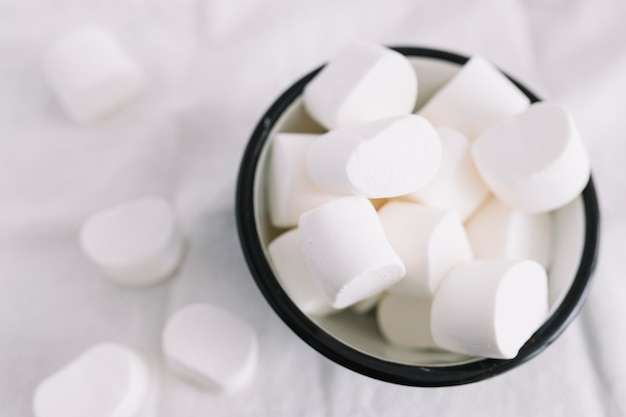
(214, 66)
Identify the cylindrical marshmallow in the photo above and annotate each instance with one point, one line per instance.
(291, 191)
(385, 158)
(429, 240)
(136, 243)
(478, 97)
(210, 347)
(294, 275)
(108, 380)
(345, 247)
(363, 83)
(91, 74)
(404, 320)
(489, 308)
(534, 161)
(497, 231)
(457, 185)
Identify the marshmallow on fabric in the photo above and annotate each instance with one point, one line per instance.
(363, 83)
(136, 243)
(210, 347)
(291, 191)
(404, 320)
(478, 97)
(293, 273)
(489, 308)
(457, 184)
(345, 247)
(91, 74)
(108, 380)
(429, 240)
(534, 161)
(381, 159)
(498, 231)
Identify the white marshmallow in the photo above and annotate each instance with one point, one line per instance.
(478, 97)
(385, 158)
(367, 305)
(108, 380)
(429, 240)
(136, 243)
(457, 184)
(534, 161)
(489, 308)
(364, 82)
(497, 231)
(91, 74)
(294, 275)
(210, 347)
(291, 191)
(345, 247)
(404, 320)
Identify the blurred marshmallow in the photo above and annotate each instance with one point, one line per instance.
(136, 243)
(293, 273)
(404, 320)
(108, 380)
(345, 247)
(457, 184)
(363, 83)
(498, 231)
(91, 74)
(534, 161)
(210, 347)
(291, 191)
(489, 308)
(385, 158)
(429, 240)
(478, 97)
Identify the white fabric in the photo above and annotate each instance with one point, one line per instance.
(213, 68)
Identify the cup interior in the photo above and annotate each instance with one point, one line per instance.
(354, 340)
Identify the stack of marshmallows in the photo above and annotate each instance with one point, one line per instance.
(439, 218)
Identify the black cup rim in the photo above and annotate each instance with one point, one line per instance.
(327, 345)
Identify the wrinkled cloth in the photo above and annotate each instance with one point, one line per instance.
(213, 68)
